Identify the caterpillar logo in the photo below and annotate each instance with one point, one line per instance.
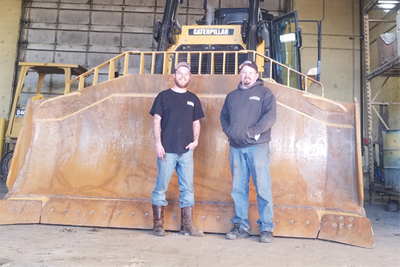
(210, 31)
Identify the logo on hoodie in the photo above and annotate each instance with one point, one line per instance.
(254, 98)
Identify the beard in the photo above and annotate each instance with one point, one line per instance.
(246, 81)
(181, 83)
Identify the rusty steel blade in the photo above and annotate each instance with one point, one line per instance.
(20, 211)
(92, 150)
(347, 229)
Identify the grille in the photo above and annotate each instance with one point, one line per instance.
(206, 58)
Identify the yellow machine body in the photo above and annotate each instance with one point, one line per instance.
(194, 36)
(42, 69)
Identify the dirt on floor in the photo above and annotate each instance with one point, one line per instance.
(54, 245)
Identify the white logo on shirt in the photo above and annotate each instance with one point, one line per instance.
(190, 103)
(254, 98)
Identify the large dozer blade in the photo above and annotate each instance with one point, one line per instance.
(88, 158)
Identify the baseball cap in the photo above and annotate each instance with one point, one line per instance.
(182, 64)
(249, 63)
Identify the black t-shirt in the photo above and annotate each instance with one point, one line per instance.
(178, 111)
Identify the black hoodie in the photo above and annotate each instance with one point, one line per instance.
(247, 113)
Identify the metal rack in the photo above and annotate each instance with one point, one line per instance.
(389, 69)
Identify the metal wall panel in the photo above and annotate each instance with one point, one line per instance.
(91, 32)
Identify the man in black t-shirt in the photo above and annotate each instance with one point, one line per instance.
(177, 113)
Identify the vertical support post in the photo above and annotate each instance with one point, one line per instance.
(236, 62)
(111, 70)
(369, 105)
(189, 58)
(360, 181)
(224, 63)
(81, 82)
(21, 79)
(270, 69)
(95, 78)
(141, 64)
(200, 60)
(153, 62)
(322, 91)
(40, 83)
(212, 63)
(126, 63)
(67, 73)
(305, 83)
(398, 31)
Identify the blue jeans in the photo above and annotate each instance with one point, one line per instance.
(183, 164)
(252, 160)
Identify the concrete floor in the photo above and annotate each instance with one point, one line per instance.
(54, 245)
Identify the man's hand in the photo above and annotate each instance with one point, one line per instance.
(160, 151)
(192, 145)
(196, 134)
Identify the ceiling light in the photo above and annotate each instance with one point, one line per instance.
(387, 5)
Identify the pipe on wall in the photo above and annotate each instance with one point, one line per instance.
(361, 72)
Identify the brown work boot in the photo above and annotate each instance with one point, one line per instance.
(158, 219)
(187, 226)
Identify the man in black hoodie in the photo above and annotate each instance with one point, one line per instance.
(247, 116)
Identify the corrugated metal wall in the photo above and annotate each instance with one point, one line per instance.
(89, 32)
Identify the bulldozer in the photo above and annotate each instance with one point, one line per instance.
(87, 158)
(233, 29)
(30, 85)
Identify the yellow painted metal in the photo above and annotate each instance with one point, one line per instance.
(237, 63)
(360, 181)
(42, 69)
(196, 38)
(67, 78)
(141, 71)
(40, 83)
(111, 71)
(2, 132)
(153, 63)
(36, 97)
(56, 67)
(81, 82)
(168, 56)
(185, 39)
(23, 71)
(260, 60)
(96, 76)
(126, 64)
(212, 63)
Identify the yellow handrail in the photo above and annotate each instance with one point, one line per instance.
(169, 60)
